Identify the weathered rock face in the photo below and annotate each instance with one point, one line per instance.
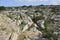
(4, 35)
(41, 24)
(22, 20)
(7, 24)
(18, 26)
(7, 28)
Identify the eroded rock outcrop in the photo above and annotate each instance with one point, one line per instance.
(21, 28)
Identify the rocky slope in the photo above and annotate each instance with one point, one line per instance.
(30, 23)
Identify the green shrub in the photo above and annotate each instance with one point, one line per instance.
(2, 8)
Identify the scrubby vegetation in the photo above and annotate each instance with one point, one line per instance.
(2, 8)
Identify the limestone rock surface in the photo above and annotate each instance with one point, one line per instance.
(22, 28)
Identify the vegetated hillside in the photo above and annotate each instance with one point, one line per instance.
(40, 22)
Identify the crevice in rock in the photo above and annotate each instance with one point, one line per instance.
(10, 36)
